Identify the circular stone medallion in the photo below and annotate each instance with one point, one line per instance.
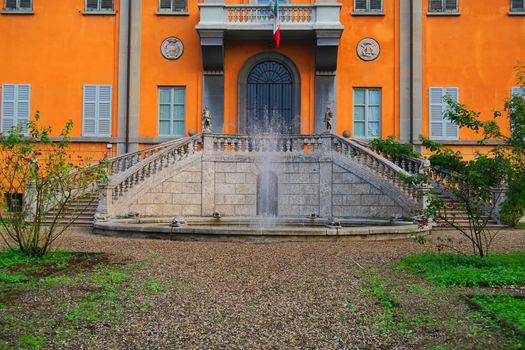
(368, 49)
(172, 48)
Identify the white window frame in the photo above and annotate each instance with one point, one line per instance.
(97, 117)
(17, 7)
(173, 9)
(367, 105)
(15, 101)
(444, 108)
(368, 9)
(517, 9)
(99, 7)
(443, 7)
(172, 109)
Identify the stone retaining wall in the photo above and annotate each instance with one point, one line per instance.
(305, 186)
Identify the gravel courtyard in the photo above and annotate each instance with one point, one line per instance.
(280, 295)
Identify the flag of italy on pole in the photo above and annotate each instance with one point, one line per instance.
(276, 24)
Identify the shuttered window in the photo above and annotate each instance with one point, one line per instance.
(442, 128)
(18, 5)
(517, 5)
(368, 5)
(443, 6)
(99, 5)
(97, 110)
(517, 90)
(367, 113)
(15, 107)
(172, 111)
(172, 6)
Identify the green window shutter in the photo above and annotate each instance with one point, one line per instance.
(25, 4)
(92, 5)
(451, 129)
(360, 5)
(165, 5)
(451, 5)
(8, 107)
(89, 111)
(104, 110)
(179, 5)
(106, 5)
(435, 5)
(22, 107)
(436, 112)
(520, 91)
(517, 5)
(179, 111)
(376, 5)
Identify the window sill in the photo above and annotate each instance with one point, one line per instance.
(17, 12)
(98, 13)
(441, 14)
(517, 13)
(370, 13)
(173, 13)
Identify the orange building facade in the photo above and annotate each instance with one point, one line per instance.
(134, 73)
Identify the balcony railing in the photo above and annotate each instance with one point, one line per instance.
(257, 14)
(294, 17)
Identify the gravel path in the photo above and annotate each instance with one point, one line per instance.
(221, 295)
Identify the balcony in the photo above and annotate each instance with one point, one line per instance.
(298, 21)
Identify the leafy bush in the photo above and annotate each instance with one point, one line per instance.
(37, 175)
(453, 270)
(393, 148)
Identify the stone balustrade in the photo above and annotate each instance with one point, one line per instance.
(257, 14)
(123, 181)
(380, 165)
(266, 143)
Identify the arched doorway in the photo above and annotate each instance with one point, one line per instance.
(270, 99)
(269, 95)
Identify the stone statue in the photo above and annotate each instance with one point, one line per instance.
(425, 167)
(206, 120)
(328, 116)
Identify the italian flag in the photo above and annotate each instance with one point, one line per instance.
(276, 23)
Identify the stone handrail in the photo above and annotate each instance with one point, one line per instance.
(123, 162)
(174, 152)
(266, 143)
(410, 164)
(368, 158)
(254, 14)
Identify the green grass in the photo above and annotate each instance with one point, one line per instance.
(454, 270)
(505, 306)
(13, 257)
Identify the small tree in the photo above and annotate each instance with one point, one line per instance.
(471, 183)
(39, 177)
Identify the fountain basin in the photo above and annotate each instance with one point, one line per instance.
(258, 229)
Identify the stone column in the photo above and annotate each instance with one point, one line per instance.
(417, 71)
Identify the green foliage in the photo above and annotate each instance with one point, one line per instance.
(38, 174)
(453, 270)
(505, 306)
(32, 341)
(393, 148)
(12, 257)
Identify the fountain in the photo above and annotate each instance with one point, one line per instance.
(268, 184)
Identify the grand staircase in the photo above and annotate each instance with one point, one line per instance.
(129, 172)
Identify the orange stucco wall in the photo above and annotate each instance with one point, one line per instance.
(477, 52)
(157, 71)
(381, 73)
(58, 49)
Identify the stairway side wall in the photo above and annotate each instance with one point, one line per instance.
(305, 186)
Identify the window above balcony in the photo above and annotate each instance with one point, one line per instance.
(368, 8)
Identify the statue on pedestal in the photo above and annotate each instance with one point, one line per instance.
(206, 120)
(328, 116)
